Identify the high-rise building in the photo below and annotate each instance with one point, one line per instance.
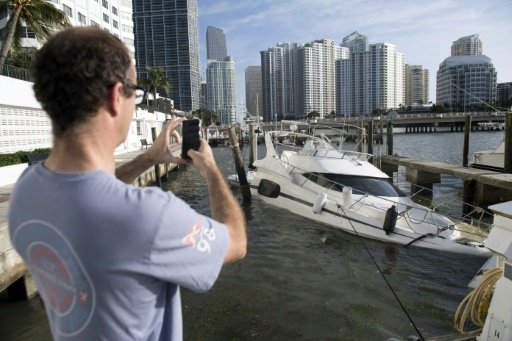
(467, 79)
(369, 80)
(114, 16)
(220, 77)
(504, 95)
(166, 35)
(356, 42)
(467, 46)
(253, 90)
(216, 48)
(280, 82)
(221, 94)
(416, 85)
(316, 61)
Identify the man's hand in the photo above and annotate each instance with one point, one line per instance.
(203, 158)
(160, 151)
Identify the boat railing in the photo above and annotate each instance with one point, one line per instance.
(324, 153)
(335, 154)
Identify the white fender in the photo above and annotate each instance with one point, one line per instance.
(319, 203)
(347, 196)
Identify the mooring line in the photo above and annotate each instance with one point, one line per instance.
(384, 277)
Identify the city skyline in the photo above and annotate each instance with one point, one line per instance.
(423, 30)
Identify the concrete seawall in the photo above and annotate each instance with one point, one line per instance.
(13, 274)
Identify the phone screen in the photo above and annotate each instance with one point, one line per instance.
(191, 139)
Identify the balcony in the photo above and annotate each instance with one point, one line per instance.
(16, 72)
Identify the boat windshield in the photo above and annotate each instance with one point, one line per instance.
(362, 184)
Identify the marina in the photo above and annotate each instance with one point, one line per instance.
(306, 280)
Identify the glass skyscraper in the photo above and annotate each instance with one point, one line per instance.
(220, 77)
(166, 35)
(216, 48)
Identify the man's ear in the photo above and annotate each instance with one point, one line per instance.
(114, 99)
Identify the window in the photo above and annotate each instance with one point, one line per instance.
(114, 10)
(114, 23)
(67, 10)
(374, 186)
(105, 4)
(106, 18)
(82, 19)
(29, 33)
(94, 23)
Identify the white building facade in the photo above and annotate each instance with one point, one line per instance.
(221, 89)
(114, 16)
(25, 126)
(369, 80)
(317, 76)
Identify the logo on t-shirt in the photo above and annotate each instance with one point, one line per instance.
(61, 279)
(200, 237)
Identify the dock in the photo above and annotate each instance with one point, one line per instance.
(14, 276)
(481, 187)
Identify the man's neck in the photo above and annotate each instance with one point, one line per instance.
(81, 151)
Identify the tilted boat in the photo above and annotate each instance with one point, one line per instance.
(344, 190)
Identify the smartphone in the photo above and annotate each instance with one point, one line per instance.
(191, 139)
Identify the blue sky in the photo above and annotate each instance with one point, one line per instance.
(421, 29)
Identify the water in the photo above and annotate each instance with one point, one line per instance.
(304, 280)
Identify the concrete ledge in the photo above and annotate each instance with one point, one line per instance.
(10, 174)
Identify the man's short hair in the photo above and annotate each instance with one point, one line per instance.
(74, 72)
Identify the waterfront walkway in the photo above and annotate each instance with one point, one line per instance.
(13, 274)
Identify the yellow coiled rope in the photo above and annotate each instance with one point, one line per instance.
(476, 303)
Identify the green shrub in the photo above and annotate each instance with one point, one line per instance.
(20, 156)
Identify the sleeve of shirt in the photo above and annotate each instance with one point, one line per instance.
(189, 248)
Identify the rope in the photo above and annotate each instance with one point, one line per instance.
(476, 303)
(383, 276)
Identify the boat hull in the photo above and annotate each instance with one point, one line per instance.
(354, 218)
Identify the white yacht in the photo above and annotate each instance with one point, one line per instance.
(344, 190)
(490, 159)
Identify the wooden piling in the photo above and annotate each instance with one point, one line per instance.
(370, 137)
(468, 196)
(508, 143)
(253, 144)
(360, 137)
(237, 155)
(157, 167)
(465, 152)
(389, 139)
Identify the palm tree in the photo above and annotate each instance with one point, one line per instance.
(40, 16)
(155, 80)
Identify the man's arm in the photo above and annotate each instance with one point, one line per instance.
(160, 152)
(130, 170)
(224, 206)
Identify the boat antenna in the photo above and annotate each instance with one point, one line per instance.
(382, 274)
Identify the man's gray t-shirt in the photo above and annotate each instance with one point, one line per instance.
(109, 258)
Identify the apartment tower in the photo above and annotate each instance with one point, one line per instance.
(369, 80)
(416, 85)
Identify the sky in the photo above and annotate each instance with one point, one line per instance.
(423, 30)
